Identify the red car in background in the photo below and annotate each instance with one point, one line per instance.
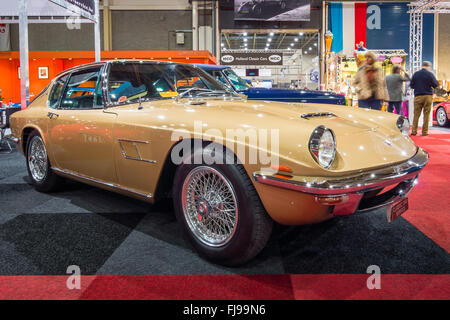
(441, 113)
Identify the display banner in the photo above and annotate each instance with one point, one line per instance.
(251, 59)
(86, 8)
(379, 25)
(272, 10)
(5, 42)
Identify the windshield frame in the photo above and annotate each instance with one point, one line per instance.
(105, 87)
(231, 82)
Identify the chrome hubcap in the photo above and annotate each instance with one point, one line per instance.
(441, 116)
(37, 159)
(210, 206)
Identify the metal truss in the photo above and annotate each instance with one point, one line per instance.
(416, 11)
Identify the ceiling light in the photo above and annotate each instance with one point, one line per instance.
(289, 48)
(245, 39)
(296, 39)
(292, 44)
(245, 34)
(266, 48)
(300, 33)
(271, 34)
(310, 48)
(270, 39)
(315, 44)
(222, 44)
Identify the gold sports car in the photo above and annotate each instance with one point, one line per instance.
(154, 129)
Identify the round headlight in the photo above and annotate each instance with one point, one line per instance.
(403, 125)
(322, 146)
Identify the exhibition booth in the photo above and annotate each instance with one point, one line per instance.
(245, 169)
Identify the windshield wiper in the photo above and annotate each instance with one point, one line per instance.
(181, 95)
(216, 92)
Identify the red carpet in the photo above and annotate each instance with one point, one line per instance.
(233, 287)
(430, 199)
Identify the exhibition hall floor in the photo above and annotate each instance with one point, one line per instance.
(127, 249)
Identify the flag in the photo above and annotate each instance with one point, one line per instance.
(347, 22)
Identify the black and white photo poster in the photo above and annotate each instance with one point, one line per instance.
(272, 10)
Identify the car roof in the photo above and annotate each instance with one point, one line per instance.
(210, 66)
(100, 63)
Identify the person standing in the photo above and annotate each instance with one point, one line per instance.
(370, 85)
(423, 82)
(394, 84)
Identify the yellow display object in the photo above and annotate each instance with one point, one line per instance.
(168, 94)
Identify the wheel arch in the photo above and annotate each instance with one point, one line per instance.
(26, 131)
(167, 175)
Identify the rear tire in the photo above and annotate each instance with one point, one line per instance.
(38, 165)
(225, 221)
(441, 117)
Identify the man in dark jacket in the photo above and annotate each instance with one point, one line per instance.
(423, 82)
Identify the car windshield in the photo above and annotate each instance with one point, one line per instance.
(140, 81)
(238, 82)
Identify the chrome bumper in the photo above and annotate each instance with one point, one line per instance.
(11, 138)
(352, 193)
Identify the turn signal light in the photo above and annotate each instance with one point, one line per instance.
(282, 168)
(331, 200)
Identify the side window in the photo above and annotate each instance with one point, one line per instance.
(125, 83)
(131, 82)
(83, 91)
(56, 91)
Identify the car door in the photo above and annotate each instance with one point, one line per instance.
(80, 130)
(134, 143)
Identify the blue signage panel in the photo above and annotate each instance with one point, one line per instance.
(388, 28)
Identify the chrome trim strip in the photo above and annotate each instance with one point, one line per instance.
(134, 142)
(317, 115)
(108, 184)
(362, 182)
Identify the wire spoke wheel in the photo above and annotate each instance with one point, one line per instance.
(210, 206)
(441, 117)
(37, 159)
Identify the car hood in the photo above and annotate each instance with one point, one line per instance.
(364, 138)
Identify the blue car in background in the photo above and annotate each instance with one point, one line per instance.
(226, 75)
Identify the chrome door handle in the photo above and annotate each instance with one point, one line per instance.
(51, 115)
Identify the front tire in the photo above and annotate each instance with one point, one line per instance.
(441, 117)
(220, 211)
(38, 165)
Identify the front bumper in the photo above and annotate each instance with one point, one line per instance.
(358, 192)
